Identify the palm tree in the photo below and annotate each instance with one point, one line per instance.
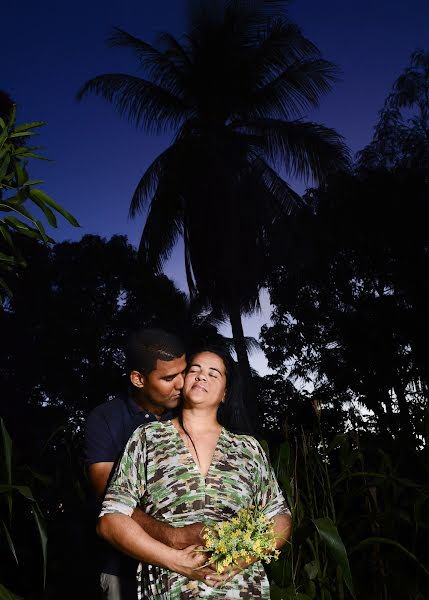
(232, 92)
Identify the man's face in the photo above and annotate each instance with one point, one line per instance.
(160, 389)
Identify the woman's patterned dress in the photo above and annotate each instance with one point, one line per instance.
(158, 472)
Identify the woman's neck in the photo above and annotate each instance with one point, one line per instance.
(199, 420)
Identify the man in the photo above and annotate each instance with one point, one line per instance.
(156, 363)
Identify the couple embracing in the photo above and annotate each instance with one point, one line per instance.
(189, 462)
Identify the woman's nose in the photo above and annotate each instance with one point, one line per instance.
(199, 377)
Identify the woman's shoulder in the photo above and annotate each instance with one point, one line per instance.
(244, 440)
(148, 430)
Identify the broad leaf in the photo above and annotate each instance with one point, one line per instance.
(41, 528)
(6, 594)
(9, 541)
(41, 196)
(329, 534)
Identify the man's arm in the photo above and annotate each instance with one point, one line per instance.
(175, 537)
(98, 475)
(123, 532)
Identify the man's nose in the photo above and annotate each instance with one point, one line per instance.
(180, 382)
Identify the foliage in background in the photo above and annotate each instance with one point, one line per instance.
(17, 191)
(350, 497)
(18, 508)
(401, 136)
(234, 92)
(350, 300)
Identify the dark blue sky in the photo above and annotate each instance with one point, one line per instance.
(49, 48)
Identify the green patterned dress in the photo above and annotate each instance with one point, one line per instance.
(158, 473)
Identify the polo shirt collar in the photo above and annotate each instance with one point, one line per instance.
(135, 409)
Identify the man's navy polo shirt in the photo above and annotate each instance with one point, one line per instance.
(107, 430)
(109, 427)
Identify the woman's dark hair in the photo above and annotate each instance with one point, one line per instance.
(231, 413)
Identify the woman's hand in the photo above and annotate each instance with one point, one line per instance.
(189, 562)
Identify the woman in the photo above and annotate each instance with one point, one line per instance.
(193, 469)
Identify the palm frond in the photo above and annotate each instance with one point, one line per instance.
(282, 45)
(296, 90)
(163, 227)
(303, 149)
(148, 105)
(175, 51)
(159, 66)
(286, 200)
(160, 169)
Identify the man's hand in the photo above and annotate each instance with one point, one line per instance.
(189, 535)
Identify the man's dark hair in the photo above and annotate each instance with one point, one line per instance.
(146, 346)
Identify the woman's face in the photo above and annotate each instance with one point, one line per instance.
(205, 380)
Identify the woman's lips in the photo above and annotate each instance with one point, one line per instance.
(198, 386)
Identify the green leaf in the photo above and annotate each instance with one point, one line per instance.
(46, 210)
(26, 126)
(21, 210)
(24, 490)
(6, 594)
(311, 569)
(21, 174)
(9, 541)
(47, 200)
(3, 136)
(4, 166)
(12, 115)
(43, 233)
(380, 540)
(22, 134)
(8, 259)
(6, 443)
(41, 528)
(329, 534)
(277, 593)
(265, 447)
(6, 234)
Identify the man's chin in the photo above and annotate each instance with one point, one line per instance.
(173, 402)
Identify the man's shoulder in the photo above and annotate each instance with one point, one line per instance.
(108, 409)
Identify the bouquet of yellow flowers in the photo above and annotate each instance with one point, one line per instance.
(249, 534)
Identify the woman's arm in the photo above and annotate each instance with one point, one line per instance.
(282, 525)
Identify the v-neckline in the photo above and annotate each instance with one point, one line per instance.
(190, 453)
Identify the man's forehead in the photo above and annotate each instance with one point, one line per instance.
(165, 367)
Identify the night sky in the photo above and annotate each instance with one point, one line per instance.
(49, 48)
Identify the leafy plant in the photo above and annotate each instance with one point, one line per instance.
(315, 564)
(9, 490)
(16, 191)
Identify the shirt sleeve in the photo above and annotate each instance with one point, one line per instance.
(128, 482)
(268, 494)
(100, 445)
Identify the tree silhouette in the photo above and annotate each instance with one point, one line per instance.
(233, 92)
(350, 300)
(401, 137)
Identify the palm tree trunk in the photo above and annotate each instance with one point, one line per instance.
(243, 363)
